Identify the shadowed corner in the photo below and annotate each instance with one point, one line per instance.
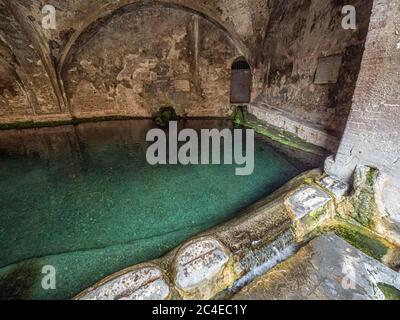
(18, 282)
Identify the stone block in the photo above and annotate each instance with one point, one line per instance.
(306, 200)
(306, 131)
(144, 283)
(335, 186)
(328, 69)
(200, 269)
(182, 85)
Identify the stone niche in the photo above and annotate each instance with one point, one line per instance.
(144, 59)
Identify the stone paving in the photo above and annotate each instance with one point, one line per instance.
(328, 268)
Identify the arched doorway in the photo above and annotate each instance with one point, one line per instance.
(241, 81)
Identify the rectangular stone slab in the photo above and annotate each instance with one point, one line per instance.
(306, 200)
(335, 186)
(328, 69)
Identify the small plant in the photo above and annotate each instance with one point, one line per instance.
(164, 116)
(238, 116)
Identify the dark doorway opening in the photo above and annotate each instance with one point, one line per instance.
(241, 80)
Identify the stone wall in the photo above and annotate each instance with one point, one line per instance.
(298, 35)
(123, 57)
(130, 57)
(143, 60)
(111, 57)
(372, 135)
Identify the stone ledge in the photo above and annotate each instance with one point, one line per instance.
(202, 268)
(209, 264)
(334, 186)
(138, 283)
(306, 131)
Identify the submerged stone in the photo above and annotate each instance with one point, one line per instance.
(146, 283)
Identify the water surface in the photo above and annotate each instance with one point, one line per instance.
(84, 200)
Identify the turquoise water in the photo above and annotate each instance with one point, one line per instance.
(84, 200)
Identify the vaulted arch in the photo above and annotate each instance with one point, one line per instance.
(31, 61)
(104, 13)
(149, 55)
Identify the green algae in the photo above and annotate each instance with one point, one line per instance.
(76, 121)
(390, 292)
(362, 239)
(313, 224)
(283, 137)
(364, 202)
(32, 124)
(239, 116)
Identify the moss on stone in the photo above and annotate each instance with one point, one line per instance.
(17, 125)
(390, 292)
(283, 137)
(309, 181)
(76, 121)
(32, 124)
(364, 203)
(306, 228)
(362, 239)
(239, 116)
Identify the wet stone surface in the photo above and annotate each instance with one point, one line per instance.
(335, 186)
(306, 200)
(200, 262)
(328, 268)
(142, 284)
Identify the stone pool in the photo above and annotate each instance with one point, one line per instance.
(84, 200)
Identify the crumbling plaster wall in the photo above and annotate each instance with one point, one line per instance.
(299, 33)
(43, 57)
(149, 58)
